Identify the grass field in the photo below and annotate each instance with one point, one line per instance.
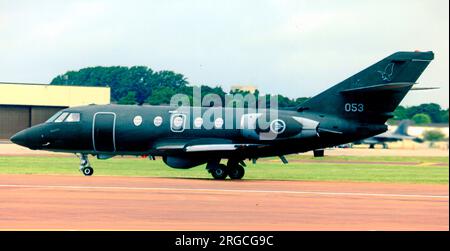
(431, 170)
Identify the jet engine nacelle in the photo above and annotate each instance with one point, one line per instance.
(255, 126)
(182, 163)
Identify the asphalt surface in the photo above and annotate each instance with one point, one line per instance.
(50, 202)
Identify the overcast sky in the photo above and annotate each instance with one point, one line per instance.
(295, 48)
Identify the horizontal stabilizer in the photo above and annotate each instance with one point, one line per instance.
(424, 88)
(374, 88)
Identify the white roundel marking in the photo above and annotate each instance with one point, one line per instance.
(277, 126)
(198, 122)
(137, 120)
(178, 122)
(157, 121)
(218, 123)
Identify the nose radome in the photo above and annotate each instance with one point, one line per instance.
(19, 138)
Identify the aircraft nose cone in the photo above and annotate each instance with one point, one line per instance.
(20, 138)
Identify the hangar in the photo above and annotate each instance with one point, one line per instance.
(24, 105)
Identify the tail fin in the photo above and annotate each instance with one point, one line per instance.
(402, 128)
(371, 95)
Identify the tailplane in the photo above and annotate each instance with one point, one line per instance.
(372, 95)
(402, 128)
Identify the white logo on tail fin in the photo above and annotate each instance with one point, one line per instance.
(386, 75)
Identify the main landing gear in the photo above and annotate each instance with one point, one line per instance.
(85, 166)
(233, 169)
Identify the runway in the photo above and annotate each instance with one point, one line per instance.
(50, 202)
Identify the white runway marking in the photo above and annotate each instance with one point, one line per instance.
(63, 187)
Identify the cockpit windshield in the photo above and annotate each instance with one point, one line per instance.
(73, 117)
(61, 117)
(65, 117)
(52, 118)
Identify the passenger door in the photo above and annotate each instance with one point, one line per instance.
(103, 132)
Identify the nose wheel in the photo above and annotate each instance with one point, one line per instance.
(87, 171)
(85, 166)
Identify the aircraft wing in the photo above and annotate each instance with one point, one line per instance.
(408, 137)
(390, 138)
(220, 147)
(381, 139)
(214, 145)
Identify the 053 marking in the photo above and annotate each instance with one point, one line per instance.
(354, 107)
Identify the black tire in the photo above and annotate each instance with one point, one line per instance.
(219, 172)
(319, 153)
(87, 171)
(236, 172)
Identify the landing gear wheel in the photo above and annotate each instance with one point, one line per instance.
(219, 172)
(319, 153)
(87, 171)
(236, 172)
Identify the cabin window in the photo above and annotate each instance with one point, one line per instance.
(61, 117)
(177, 122)
(73, 117)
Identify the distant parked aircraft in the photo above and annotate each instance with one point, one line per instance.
(401, 133)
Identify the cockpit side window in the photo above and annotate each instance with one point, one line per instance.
(52, 118)
(61, 117)
(73, 117)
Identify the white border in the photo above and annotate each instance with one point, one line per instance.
(171, 121)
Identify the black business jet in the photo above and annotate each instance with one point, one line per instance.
(185, 136)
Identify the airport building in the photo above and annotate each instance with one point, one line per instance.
(245, 88)
(25, 105)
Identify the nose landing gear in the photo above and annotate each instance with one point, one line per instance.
(85, 166)
(87, 171)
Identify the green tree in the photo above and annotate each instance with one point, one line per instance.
(139, 79)
(300, 100)
(444, 116)
(433, 135)
(421, 118)
(214, 90)
(431, 109)
(401, 113)
(284, 102)
(161, 96)
(436, 113)
(129, 99)
(169, 79)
